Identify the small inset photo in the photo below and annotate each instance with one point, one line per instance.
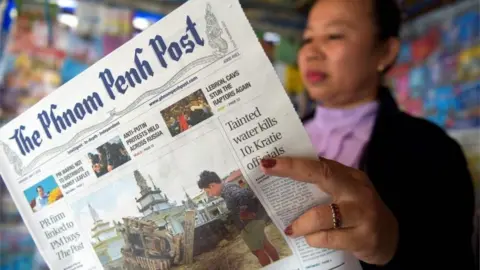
(44, 193)
(186, 113)
(108, 156)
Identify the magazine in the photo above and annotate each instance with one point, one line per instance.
(150, 158)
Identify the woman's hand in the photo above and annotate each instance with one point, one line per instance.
(368, 228)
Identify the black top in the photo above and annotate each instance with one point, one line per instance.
(422, 176)
(240, 199)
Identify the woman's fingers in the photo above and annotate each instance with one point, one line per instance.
(325, 173)
(340, 239)
(321, 218)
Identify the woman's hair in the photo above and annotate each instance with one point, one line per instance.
(387, 18)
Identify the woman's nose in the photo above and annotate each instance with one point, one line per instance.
(314, 51)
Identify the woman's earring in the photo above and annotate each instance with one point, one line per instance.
(380, 68)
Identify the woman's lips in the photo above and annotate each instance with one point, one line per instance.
(315, 76)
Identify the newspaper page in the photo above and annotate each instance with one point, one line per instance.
(150, 158)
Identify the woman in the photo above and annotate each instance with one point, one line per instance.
(402, 193)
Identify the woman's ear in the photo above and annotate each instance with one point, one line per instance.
(390, 51)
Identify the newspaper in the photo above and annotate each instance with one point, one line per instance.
(150, 158)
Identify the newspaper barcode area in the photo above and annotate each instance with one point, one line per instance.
(160, 169)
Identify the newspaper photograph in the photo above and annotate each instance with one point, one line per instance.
(108, 156)
(227, 222)
(150, 159)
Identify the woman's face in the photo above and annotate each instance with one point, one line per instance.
(341, 58)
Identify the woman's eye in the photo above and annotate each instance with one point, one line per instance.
(335, 36)
(306, 41)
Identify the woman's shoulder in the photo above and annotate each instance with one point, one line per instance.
(419, 127)
(422, 135)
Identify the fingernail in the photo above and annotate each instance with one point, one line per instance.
(268, 163)
(289, 231)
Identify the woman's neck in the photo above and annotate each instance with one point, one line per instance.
(367, 95)
(348, 105)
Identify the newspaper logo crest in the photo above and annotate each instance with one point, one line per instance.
(12, 157)
(215, 41)
(214, 33)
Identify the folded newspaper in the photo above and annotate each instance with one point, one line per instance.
(150, 158)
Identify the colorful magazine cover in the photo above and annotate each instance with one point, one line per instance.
(440, 106)
(468, 110)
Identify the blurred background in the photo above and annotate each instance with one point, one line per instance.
(45, 43)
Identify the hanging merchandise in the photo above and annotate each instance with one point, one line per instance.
(286, 51)
(281, 70)
(85, 45)
(89, 19)
(116, 27)
(4, 8)
(293, 82)
(424, 46)
(83, 51)
(467, 27)
(269, 49)
(100, 30)
(32, 60)
(440, 106)
(296, 91)
(447, 63)
(468, 110)
(469, 64)
(407, 101)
